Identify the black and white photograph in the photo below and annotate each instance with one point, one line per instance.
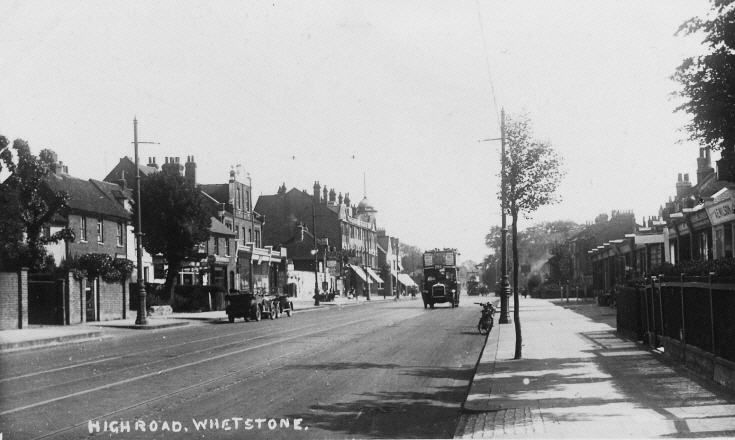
(341, 219)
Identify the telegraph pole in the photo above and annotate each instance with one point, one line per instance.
(504, 284)
(141, 318)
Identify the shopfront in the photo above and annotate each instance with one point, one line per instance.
(722, 216)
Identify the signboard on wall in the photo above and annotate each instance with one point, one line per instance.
(722, 212)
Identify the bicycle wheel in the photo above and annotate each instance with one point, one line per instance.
(482, 327)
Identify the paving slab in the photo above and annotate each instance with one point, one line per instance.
(578, 378)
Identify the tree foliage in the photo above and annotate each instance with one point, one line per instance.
(707, 84)
(175, 220)
(26, 205)
(561, 261)
(532, 175)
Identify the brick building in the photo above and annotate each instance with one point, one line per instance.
(346, 235)
(97, 213)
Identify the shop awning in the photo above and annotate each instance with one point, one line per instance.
(359, 272)
(374, 275)
(405, 280)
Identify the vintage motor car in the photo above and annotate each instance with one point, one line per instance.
(283, 305)
(250, 306)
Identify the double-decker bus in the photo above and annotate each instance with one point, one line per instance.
(441, 283)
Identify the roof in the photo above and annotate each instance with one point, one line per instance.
(219, 228)
(89, 196)
(218, 191)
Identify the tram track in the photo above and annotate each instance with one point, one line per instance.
(175, 368)
(293, 355)
(168, 347)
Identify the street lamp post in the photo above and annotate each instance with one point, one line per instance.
(141, 316)
(504, 284)
(316, 256)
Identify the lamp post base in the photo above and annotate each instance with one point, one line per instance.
(504, 295)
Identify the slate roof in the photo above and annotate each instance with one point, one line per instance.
(218, 191)
(219, 228)
(89, 196)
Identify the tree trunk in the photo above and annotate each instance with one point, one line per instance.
(516, 301)
(171, 276)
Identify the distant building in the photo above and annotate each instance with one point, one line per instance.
(346, 236)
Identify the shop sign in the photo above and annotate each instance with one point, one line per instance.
(699, 219)
(722, 212)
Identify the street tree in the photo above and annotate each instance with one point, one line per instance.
(174, 221)
(561, 262)
(532, 175)
(26, 205)
(533, 242)
(706, 82)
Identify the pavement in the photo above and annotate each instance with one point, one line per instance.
(579, 378)
(36, 336)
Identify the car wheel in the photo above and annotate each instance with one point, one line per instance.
(231, 318)
(426, 305)
(256, 312)
(431, 305)
(276, 310)
(290, 307)
(271, 314)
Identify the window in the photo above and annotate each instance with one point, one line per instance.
(216, 246)
(655, 255)
(728, 240)
(239, 198)
(250, 235)
(100, 231)
(227, 246)
(46, 232)
(120, 234)
(83, 229)
(158, 271)
(237, 233)
(247, 200)
(257, 238)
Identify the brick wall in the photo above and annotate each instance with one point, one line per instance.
(13, 300)
(76, 305)
(113, 299)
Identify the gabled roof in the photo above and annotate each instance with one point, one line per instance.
(219, 228)
(88, 196)
(218, 191)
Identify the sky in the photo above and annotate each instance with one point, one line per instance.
(384, 99)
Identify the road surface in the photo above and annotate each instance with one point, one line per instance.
(386, 370)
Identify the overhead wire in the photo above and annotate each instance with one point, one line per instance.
(487, 61)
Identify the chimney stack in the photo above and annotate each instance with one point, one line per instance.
(682, 186)
(704, 164)
(152, 162)
(173, 166)
(317, 192)
(324, 199)
(191, 170)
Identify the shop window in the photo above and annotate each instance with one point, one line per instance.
(719, 243)
(655, 255)
(728, 240)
